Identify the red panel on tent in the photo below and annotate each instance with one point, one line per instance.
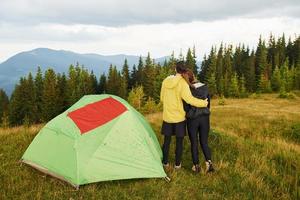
(96, 114)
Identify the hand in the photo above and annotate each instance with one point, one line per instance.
(206, 102)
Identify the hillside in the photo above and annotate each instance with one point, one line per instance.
(256, 150)
(24, 62)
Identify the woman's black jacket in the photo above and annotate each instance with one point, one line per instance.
(199, 91)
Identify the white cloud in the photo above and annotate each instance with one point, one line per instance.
(159, 39)
(129, 12)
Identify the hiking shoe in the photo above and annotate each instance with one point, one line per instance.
(196, 168)
(209, 166)
(167, 165)
(176, 167)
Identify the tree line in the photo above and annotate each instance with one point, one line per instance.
(235, 72)
(274, 66)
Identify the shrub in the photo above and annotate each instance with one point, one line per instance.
(221, 101)
(286, 95)
(150, 106)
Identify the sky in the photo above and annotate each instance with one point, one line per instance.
(136, 27)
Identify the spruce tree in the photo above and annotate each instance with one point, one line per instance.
(297, 77)
(133, 77)
(242, 88)
(212, 85)
(264, 85)
(30, 102)
(38, 82)
(190, 61)
(62, 92)
(94, 83)
(140, 72)
(219, 71)
(276, 80)
(113, 81)
(102, 84)
(50, 96)
(16, 109)
(149, 77)
(233, 90)
(124, 80)
(3, 105)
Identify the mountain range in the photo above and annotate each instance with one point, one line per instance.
(22, 63)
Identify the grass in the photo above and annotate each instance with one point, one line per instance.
(255, 145)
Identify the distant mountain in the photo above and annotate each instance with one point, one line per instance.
(22, 63)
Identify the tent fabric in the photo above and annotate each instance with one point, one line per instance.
(96, 114)
(123, 146)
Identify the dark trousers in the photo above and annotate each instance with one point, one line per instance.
(199, 128)
(178, 151)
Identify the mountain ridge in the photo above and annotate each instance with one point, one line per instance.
(24, 62)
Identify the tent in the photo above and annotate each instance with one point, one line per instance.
(99, 138)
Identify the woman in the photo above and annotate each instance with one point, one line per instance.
(198, 122)
(175, 89)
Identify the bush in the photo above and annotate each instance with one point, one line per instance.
(150, 106)
(255, 96)
(293, 133)
(286, 95)
(221, 101)
(136, 97)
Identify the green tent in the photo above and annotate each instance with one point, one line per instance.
(99, 138)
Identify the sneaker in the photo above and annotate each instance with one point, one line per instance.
(167, 165)
(196, 168)
(176, 167)
(209, 166)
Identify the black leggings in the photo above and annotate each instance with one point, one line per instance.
(199, 125)
(178, 151)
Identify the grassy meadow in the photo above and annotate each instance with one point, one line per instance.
(255, 145)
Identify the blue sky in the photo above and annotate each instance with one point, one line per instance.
(137, 26)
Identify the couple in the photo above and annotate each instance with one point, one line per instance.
(185, 106)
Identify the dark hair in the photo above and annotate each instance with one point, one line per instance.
(189, 77)
(180, 67)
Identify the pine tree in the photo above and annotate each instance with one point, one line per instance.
(140, 72)
(281, 48)
(264, 85)
(261, 64)
(276, 80)
(219, 71)
(16, 109)
(124, 80)
(297, 77)
(62, 92)
(50, 96)
(102, 84)
(3, 105)
(250, 73)
(94, 83)
(286, 76)
(38, 82)
(113, 81)
(149, 77)
(30, 100)
(228, 70)
(190, 61)
(212, 85)
(242, 89)
(233, 90)
(72, 85)
(133, 77)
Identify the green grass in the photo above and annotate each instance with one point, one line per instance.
(255, 146)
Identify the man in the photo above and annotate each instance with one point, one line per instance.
(175, 89)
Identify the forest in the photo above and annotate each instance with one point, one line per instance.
(229, 71)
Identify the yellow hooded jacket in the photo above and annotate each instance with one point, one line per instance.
(175, 89)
